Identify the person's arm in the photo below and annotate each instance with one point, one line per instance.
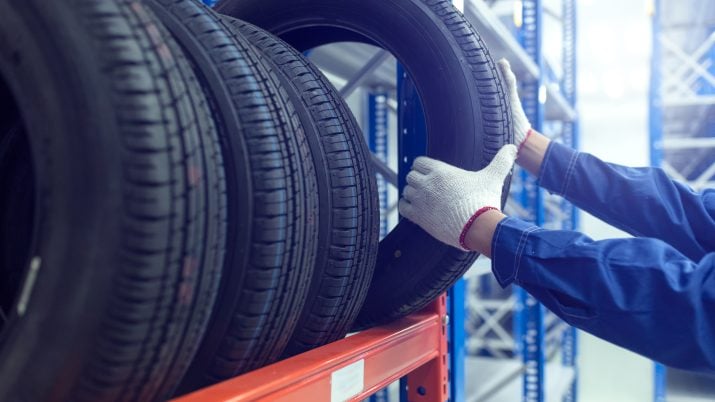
(644, 202)
(639, 293)
(532, 152)
(641, 201)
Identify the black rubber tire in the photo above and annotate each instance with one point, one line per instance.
(272, 193)
(129, 205)
(349, 213)
(467, 116)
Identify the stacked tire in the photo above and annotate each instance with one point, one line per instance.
(185, 197)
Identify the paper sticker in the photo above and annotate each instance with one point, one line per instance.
(347, 382)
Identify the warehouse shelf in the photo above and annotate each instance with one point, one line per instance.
(502, 43)
(499, 39)
(353, 368)
(502, 380)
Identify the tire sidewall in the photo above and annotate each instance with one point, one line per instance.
(447, 100)
(75, 147)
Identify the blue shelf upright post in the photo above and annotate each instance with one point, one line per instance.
(377, 131)
(655, 119)
(655, 125)
(411, 142)
(569, 343)
(377, 127)
(659, 383)
(412, 131)
(457, 341)
(531, 321)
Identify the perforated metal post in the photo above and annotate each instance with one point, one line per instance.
(655, 125)
(531, 326)
(456, 341)
(412, 132)
(655, 122)
(377, 130)
(569, 343)
(412, 142)
(659, 382)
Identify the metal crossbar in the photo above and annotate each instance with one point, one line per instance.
(679, 85)
(364, 73)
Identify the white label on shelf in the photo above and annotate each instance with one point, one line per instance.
(347, 382)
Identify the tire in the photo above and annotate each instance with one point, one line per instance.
(126, 200)
(272, 194)
(349, 213)
(427, 36)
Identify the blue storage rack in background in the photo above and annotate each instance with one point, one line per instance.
(682, 130)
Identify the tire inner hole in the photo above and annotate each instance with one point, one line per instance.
(17, 203)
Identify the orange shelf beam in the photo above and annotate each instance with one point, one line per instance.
(353, 368)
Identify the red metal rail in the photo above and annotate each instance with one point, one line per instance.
(353, 368)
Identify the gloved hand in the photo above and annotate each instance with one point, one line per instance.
(522, 127)
(445, 200)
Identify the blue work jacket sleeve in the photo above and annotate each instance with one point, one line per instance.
(641, 201)
(639, 293)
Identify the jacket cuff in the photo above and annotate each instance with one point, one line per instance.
(508, 247)
(557, 168)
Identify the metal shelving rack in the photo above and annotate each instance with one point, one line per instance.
(513, 337)
(682, 129)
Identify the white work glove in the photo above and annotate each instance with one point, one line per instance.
(445, 200)
(522, 127)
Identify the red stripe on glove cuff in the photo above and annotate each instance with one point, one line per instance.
(528, 134)
(469, 223)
